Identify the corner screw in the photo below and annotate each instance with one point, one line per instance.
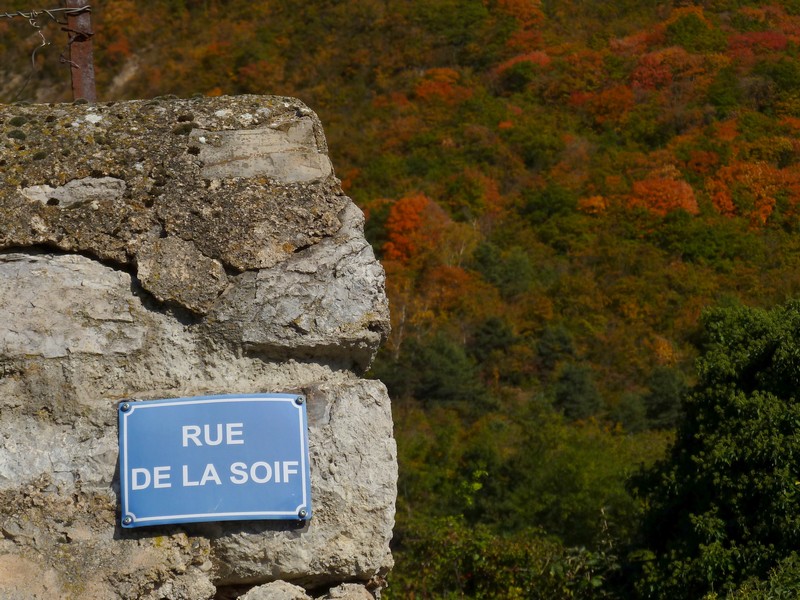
(125, 407)
(302, 513)
(127, 521)
(299, 400)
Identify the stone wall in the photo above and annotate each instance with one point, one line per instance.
(169, 248)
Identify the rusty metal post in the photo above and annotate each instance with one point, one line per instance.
(79, 29)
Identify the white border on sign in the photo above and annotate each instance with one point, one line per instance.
(213, 400)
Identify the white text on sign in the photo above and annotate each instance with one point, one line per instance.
(259, 472)
(233, 434)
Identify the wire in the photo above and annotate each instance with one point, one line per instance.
(33, 15)
(33, 20)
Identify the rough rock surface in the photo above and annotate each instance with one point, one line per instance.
(348, 591)
(175, 248)
(281, 590)
(277, 590)
(188, 194)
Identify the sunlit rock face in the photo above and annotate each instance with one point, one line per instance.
(172, 248)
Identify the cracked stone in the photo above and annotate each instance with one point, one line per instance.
(174, 270)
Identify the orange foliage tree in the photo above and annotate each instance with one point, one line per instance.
(529, 18)
(747, 189)
(537, 58)
(442, 84)
(661, 195)
(414, 224)
(425, 283)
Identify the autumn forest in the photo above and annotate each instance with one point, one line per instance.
(578, 205)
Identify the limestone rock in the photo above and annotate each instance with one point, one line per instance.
(247, 179)
(24, 579)
(331, 291)
(174, 270)
(288, 154)
(106, 345)
(77, 192)
(65, 305)
(200, 197)
(277, 590)
(348, 591)
(175, 248)
(350, 435)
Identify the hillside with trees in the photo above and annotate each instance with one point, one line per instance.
(584, 209)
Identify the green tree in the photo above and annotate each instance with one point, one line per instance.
(724, 507)
(630, 412)
(435, 370)
(724, 92)
(663, 402)
(494, 334)
(695, 34)
(554, 345)
(785, 73)
(510, 271)
(543, 204)
(576, 394)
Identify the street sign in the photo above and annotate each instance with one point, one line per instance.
(214, 458)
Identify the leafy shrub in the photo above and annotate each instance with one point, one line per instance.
(725, 506)
(446, 558)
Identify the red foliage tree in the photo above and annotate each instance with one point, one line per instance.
(611, 105)
(442, 84)
(652, 72)
(770, 41)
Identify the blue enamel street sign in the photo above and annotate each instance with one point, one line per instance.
(214, 458)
